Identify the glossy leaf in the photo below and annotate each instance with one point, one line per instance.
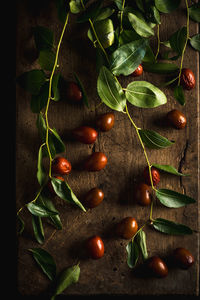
(41, 175)
(173, 199)
(178, 39)
(104, 13)
(179, 94)
(160, 68)
(194, 12)
(141, 241)
(55, 90)
(40, 210)
(32, 81)
(46, 59)
(144, 94)
(153, 140)
(133, 254)
(127, 58)
(38, 229)
(45, 261)
(63, 191)
(172, 228)
(65, 279)
(153, 15)
(55, 219)
(110, 91)
(140, 26)
(195, 42)
(57, 141)
(43, 38)
(84, 95)
(167, 6)
(149, 56)
(169, 169)
(75, 6)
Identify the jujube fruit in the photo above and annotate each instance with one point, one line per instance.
(50, 187)
(176, 118)
(183, 258)
(187, 79)
(157, 267)
(126, 228)
(154, 174)
(61, 165)
(73, 92)
(142, 194)
(95, 162)
(95, 247)
(85, 134)
(94, 197)
(105, 122)
(138, 71)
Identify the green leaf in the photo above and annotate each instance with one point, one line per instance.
(40, 210)
(140, 26)
(169, 169)
(127, 36)
(167, 6)
(41, 175)
(55, 90)
(179, 94)
(65, 279)
(45, 261)
(43, 38)
(173, 199)
(110, 91)
(195, 42)
(32, 81)
(84, 95)
(160, 68)
(104, 13)
(38, 102)
(144, 94)
(21, 225)
(170, 227)
(149, 56)
(153, 15)
(46, 59)
(141, 241)
(63, 191)
(133, 254)
(178, 39)
(90, 12)
(38, 229)
(75, 6)
(55, 219)
(154, 140)
(194, 11)
(127, 58)
(57, 141)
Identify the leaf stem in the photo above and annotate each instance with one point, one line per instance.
(121, 16)
(158, 39)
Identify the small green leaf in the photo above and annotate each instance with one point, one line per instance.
(75, 6)
(170, 227)
(133, 254)
(21, 225)
(45, 261)
(32, 81)
(46, 59)
(140, 26)
(55, 219)
(84, 95)
(55, 90)
(195, 42)
(173, 199)
(167, 6)
(178, 39)
(144, 94)
(38, 102)
(153, 15)
(65, 279)
(141, 241)
(110, 91)
(194, 11)
(179, 94)
(43, 38)
(169, 169)
(38, 229)
(40, 210)
(63, 191)
(160, 68)
(57, 141)
(41, 175)
(154, 140)
(104, 13)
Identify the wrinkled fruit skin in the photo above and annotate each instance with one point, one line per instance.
(74, 93)
(155, 176)
(85, 134)
(95, 247)
(61, 165)
(183, 258)
(187, 79)
(157, 267)
(138, 71)
(177, 119)
(94, 197)
(143, 194)
(105, 122)
(95, 162)
(127, 228)
(50, 187)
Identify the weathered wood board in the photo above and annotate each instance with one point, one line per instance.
(109, 275)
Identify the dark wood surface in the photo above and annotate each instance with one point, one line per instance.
(109, 275)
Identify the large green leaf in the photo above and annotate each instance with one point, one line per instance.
(154, 140)
(144, 94)
(179, 94)
(40, 210)
(141, 241)
(169, 169)
(133, 254)
(126, 58)
(170, 227)
(167, 6)
(173, 199)
(38, 229)
(32, 81)
(178, 39)
(110, 91)
(46, 59)
(140, 26)
(195, 42)
(194, 11)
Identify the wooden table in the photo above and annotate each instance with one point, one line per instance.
(109, 275)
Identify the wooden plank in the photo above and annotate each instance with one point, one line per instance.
(109, 275)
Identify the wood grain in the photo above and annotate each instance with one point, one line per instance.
(109, 275)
